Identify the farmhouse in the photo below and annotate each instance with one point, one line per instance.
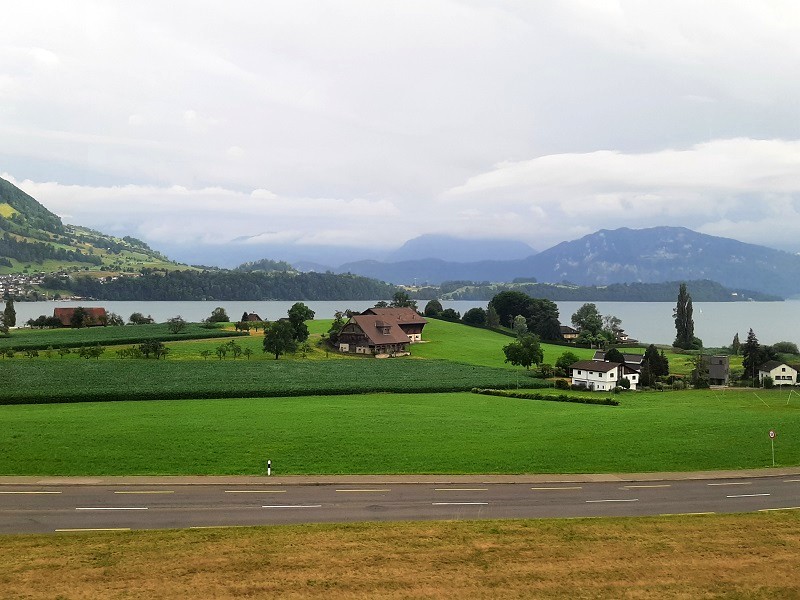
(601, 375)
(631, 359)
(781, 373)
(409, 321)
(718, 368)
(92, 316)
(570, 334)
(372, 334)
(251, 317)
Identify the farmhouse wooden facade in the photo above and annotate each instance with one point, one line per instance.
(381, 331)
(92, 316)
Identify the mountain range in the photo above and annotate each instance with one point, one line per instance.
(33, 239)
(622, 255)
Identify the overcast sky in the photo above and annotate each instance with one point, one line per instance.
(368, 123)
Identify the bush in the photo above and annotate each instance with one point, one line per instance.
(562, 384)
(768, 382)
(548, 397)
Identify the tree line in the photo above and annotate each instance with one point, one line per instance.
(227, 285)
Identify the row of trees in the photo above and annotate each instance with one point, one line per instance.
(290, 334)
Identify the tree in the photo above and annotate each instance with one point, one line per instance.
(79, 318)
(336, 327)
(10, 314)
(138, 318)
(433, 308)
(450, 314)
(235, 349)
(525, 352)
(750, 355)
(218, 315)
(656, 364)
(221, 351)
(114, 320)
(614, 355)
(475, 316)
(3, 326)
(785, 348)
(684, 323)
(299, 313)
(520, 325)
(279, 338)
(564, 362)
(587, 319)
(176, 324)
(154, 347)
(543, 319)
(401, 299)
(700, 376)
(736, 344)
(492, 318)
(509, 304)
(248, 352)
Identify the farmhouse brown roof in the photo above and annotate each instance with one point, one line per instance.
(65, 314)
(403, 316)
(373, 327)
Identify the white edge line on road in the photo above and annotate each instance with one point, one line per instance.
(791, 481)
(146, 492)
(376, 490)
(255, 491)
(111, 508)
(774, 509)
(292, 506)
(98, 529)
(30, 492)
(746, 495)
(618, 500)
(659, 485)
(458, 503)
(732, 483)
(220, 526)
(461, 489)
(690, 514)
(574, 487)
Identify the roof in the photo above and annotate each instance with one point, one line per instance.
(569, 330)
(773, 364)
(629, 357)
(402, 316)
(65, 314)
(373, 326)
(253, 317)
(595, 365)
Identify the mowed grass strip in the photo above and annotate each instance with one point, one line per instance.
(40, 339)
(731, 556)
(55, 380)
(401, 433)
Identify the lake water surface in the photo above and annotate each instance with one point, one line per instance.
(714, 322)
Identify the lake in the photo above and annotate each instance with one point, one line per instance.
(714, 322)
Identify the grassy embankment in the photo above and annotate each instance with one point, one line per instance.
(730, 556)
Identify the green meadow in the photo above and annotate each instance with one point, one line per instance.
(402, 433)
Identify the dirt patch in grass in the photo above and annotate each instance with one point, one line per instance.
(736, 556)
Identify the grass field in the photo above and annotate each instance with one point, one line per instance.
(730, 556)
(55, 380)
(453, 341)
(107, 336)
(402, 433)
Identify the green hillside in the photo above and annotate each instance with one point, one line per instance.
(34, 240)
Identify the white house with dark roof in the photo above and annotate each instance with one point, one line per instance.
(601, 375)
(781, 373)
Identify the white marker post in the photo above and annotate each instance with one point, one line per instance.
(772, 441)
(269, 467)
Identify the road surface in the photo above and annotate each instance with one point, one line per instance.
(42, 505)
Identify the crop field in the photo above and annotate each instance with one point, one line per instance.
(55, 380)
(41, 339)
(710, 556)
(402, 433)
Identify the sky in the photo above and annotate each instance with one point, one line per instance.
(367, 123)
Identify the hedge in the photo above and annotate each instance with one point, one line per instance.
(547, 397)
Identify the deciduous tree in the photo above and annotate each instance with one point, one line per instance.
(279, 338)
(525, 352)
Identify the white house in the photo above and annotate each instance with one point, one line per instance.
(600, 375)
(781, 373)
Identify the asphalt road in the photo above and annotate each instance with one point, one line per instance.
(159, 503)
